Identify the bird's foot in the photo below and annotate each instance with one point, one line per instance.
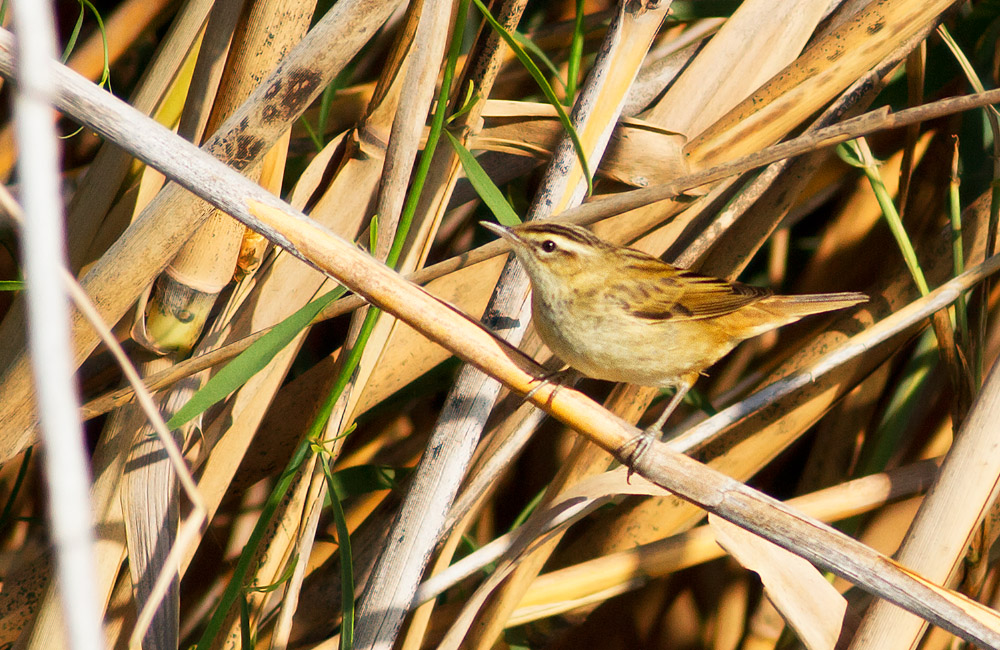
(556, 377)
(632, 451)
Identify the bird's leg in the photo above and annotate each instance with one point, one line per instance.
(564, 376)
(633, 450)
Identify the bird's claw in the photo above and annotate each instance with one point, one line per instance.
(556, 377)
(632, 451)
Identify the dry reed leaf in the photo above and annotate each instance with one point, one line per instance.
(45, 615)
(283, 286)
(825, 68)
(639, 154)
(143, 182)
(181, 299)
(757, 41)
(111, 166)
(808, 602)
(948, 519)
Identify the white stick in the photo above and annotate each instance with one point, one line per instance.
(66, 470)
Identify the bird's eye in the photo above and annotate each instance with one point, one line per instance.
(548, 245)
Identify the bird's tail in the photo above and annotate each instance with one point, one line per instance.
(812, 303)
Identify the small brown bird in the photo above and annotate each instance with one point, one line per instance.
(618, 314)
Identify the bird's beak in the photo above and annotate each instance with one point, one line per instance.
(503, 231)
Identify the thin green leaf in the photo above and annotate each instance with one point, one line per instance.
(437, 126)
(957, 252)
(697, 399)
(346, 560)
(235, 586)
(238, 371)
(528, 509)
(313, 134)
(106, 73)
(981, 293)
(870, 167)
(530, 46)
(285, 576)
(484, 185)
(73, 36)
(575, 54)
(15, 490)
(543, 84)
(908, 391)
(246, 635)
(848, 152)
(468, 101)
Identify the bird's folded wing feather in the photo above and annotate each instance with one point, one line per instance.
(676, 294)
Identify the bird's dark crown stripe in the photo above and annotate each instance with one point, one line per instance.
(579, 236)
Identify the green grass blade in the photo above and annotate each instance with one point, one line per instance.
(346, 561)
(858, 154)
(238, 371)
(437, 126)
(540, 55)
(246, 635)
(8, 507)
(991, 235)
(957, 252)
(73, 36)
(484, 185)
(543, 85)
(106, 72)
(236, 581)
(575, 54)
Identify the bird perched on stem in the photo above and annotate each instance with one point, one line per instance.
(615, 313)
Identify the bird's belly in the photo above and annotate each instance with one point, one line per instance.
(627, 350)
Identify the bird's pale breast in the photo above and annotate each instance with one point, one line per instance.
(597, 337)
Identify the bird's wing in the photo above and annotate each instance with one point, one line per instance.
(677, 294)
